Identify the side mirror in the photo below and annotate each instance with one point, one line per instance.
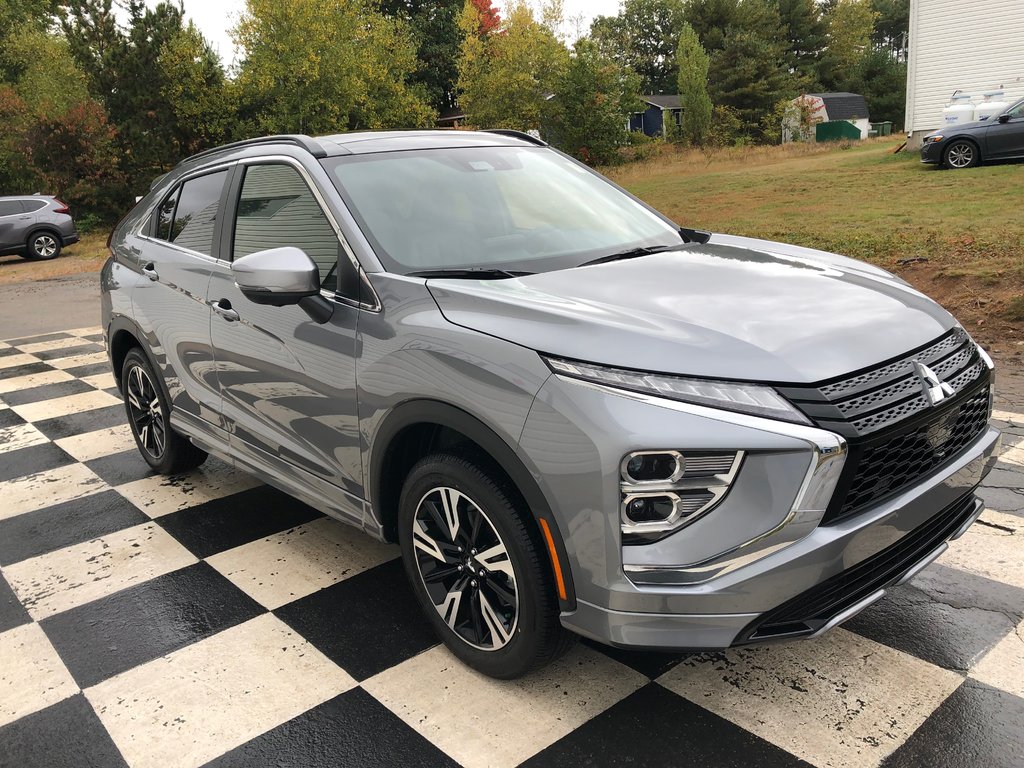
(280, 277)
(1004, 118)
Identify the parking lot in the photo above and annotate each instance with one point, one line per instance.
(209, 619)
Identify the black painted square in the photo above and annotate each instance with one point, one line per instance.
(62, 525)
(976, 726)
(24, 370)
(352, 729)
(96, 337)
(85, 421)
(12, 612)
(26, 340)
(364, 624)
(75, 351)
(144, 622)
(650, 663)
(66, 735)
(121, 468)
(229, 522)
(92, 369)
(47, 392)
(8, 351)
(9, 418)
(655, 727)
(35, 458)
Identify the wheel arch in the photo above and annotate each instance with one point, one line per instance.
(418, 427)
(122, 337)
(973, 140)
(38, 229)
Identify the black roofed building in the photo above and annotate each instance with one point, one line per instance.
(834, 107)
(659, 108)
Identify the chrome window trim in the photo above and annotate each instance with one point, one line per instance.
(827, 448)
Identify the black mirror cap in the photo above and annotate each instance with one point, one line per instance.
(1004, 118)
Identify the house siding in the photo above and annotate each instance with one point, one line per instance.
(953, 46)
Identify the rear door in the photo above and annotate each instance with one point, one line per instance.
(13, 221)
(1006, 140)
(288, 383)
(177, 258)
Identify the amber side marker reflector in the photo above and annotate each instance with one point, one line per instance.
(554, 558)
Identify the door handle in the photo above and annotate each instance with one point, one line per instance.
(223, 308)
(149, 270)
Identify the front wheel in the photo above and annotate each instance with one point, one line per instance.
(43, 246)
(478, 567)
(149, 417)
(962, 154)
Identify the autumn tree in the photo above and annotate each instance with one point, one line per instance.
(693, 63)
(326, 66)
(506, 77)
(850, 26)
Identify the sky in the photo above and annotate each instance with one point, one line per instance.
(215, 17)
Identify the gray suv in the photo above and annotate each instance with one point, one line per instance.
(573, 416)
(35, 226)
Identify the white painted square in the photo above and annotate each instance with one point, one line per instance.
(100, 380)
(298, 562)
(102, 442)
(32, 676)
(1003, 666)
(33, 380)
(44, 489)
(841, 700)
(64, 406)
(160, 495)
(991, 548)
(74, 362)
(480, 721)
(51, 344)
(12, 361)
(195, 704)
(20, 436)
(81, 573)
(94, 330)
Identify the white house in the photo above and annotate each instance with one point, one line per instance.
(959, 46)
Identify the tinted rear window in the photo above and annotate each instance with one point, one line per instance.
(10, 207)
(34, 205)
(196, 212)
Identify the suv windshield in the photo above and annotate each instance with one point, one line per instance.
(512, 208)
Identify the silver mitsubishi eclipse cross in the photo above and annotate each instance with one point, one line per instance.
(574, 416)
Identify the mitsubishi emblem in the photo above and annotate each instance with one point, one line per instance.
(936, 391)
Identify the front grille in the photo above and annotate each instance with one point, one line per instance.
(811, 610)
(896, 436)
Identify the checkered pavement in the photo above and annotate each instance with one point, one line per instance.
(209, 619)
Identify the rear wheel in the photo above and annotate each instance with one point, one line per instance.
(478, 567)
(962, 154)
(149, 416)
(43, 246)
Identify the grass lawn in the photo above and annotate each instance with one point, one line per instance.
(87, 255)
(863, 201)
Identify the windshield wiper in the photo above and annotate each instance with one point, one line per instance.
(470, 274)
(632, 253)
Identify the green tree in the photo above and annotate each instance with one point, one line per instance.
(586, 117)
(892, 24)
(749, 74)
(711, 19)
(322, 67)
(90, 28)
(693, 63)
(47, 80)
(644, 37)
(805, 31)
(850, 26)
(882, 80)
(506, 77)
(16, 16)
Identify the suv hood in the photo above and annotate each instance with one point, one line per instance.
(734, 308)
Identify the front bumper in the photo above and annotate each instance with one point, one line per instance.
(819, 575)
(931, 153)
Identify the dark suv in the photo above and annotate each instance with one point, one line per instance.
(35, 226)
(569, 412)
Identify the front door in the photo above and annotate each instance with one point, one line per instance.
(177, 256)
(13, 223)
(288, 383)
(1007, 139)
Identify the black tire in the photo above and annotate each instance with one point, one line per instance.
(961, 154)
(521, 641)
(42, 245)
(149, 416)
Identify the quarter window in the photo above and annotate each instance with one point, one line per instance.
(10, 207)
(189, 214)
(33, 205)
(276, 208)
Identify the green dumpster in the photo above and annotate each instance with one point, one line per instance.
(883, 128)
(836, 130)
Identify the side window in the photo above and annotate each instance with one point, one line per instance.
(195, 214)
(166, 215)
(1017, 112)
(33, 205)
(275, 209)
(10, 207)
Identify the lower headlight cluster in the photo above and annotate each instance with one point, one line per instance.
(663, 491)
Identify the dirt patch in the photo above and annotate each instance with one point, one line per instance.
(87, 255)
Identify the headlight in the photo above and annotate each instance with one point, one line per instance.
(933, 139)
(753, 399)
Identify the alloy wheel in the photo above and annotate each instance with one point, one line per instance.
(960, 155)
(146, 412)
(44, 246)
(465, 569)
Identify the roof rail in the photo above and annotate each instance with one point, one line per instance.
(518, 135)
(308, 143)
